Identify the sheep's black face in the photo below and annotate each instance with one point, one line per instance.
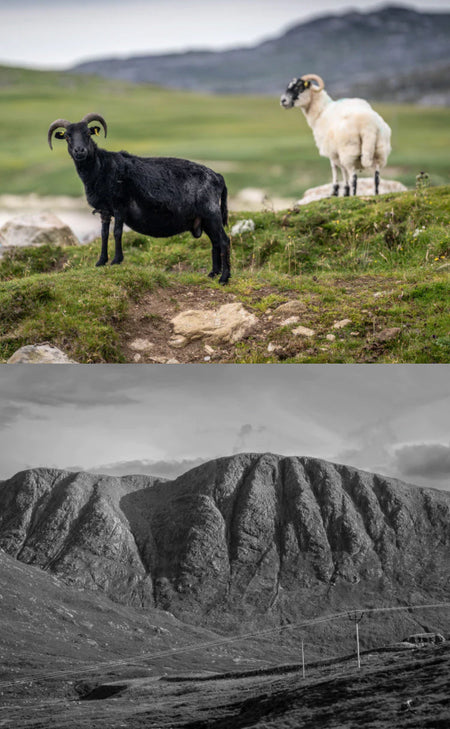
(296, 87)
(79, 142)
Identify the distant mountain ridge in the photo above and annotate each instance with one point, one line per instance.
(393, 53)
(251, 538)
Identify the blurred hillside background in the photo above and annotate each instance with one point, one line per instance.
(222, 107)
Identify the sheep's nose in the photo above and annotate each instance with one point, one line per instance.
(283, 100)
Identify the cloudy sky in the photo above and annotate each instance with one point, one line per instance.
(393, 419)
(55, 34)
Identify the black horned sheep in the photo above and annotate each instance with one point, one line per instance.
(156, 196)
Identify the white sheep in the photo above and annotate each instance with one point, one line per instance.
(348, 131)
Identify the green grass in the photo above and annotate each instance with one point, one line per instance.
(251, 139)
(380, 262)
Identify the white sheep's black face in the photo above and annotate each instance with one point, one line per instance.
(295, 89)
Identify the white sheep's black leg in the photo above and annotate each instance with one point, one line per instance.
(354, 183)
(346, 179)
(335, 190)
(118, 230)
(377, 181)
(106, 219)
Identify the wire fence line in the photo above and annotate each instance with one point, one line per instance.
(138, 658)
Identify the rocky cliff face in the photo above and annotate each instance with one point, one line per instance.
(247, 539)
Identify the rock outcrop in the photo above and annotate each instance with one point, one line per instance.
(40, 354)
(252, 538)
(36, 229)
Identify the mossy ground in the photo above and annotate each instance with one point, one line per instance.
(380, 262)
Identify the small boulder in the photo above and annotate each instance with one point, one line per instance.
(40, 354)
(303, 332)
(365, 187)
(342, 323)
(243, 226)
(230, 323)
(141, 345)
(36, 230)
(289, 308)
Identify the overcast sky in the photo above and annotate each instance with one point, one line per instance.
(55, 34)
(393, 419)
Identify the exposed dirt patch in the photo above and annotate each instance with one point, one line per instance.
(147, 332)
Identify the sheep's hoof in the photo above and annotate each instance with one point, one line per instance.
(223, 281)
(116, 261)
(101, 261)
(213, 274)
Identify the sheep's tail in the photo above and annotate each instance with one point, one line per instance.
(368, 147)
(224, 204)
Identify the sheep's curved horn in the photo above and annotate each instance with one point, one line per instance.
(54, 126)
(313, 77)
(95, 117)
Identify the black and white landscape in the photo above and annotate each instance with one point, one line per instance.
(184, 599)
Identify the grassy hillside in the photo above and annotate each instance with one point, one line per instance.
(250, 139)
(379, 263)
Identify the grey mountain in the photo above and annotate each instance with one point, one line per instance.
(393, 53)
(251, 539)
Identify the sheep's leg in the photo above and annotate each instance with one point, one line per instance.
(118, 230)
(377, 181)
(225, 255)
(220, 249)
(354, 183)
(216, 260)
(106, 219)
(334, 171)
(346, 182)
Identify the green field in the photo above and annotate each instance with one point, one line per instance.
(251, 140)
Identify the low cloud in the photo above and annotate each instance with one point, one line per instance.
(247, 435)
(164, 469)
(427, 460)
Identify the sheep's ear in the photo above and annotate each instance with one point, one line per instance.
(94, 130)
(60, 135)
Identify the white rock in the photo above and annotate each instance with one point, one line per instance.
(243, 226)
(290, 308)
(290, 320)
(40, 354)
(365, 187)
(36, 230)
(330, 337)
(178, 342)
(229, 323)
(172, 361)
(209, 350)
(303, 332)
(341, 324)
(141, 345)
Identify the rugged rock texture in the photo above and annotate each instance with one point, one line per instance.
(36, 229)
(228, 323)
(40, 354)
(248, 539)
(392, 53)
